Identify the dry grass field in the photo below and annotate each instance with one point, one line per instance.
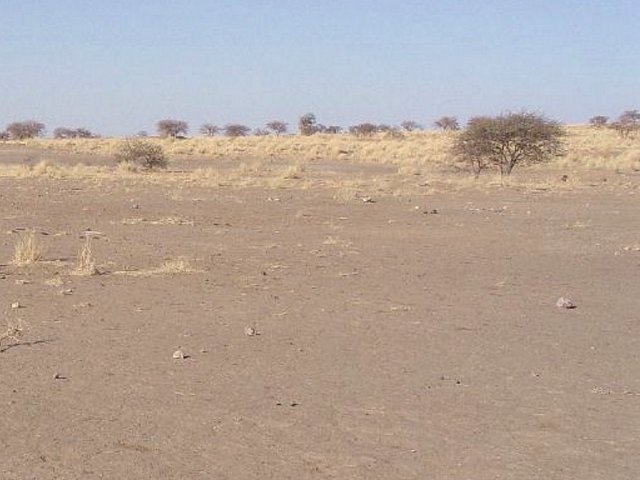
(319, 308)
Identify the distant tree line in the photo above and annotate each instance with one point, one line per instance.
(63, 132)
(626, 125)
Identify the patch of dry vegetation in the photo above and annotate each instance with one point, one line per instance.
(423, 162)
(599, 148)
(586, 148)
(168, 267)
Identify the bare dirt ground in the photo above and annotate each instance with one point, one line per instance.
(393, 341)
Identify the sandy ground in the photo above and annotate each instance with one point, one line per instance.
(393, 341)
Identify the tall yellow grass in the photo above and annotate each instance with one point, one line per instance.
(587, 147)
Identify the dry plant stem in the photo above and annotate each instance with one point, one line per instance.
(86, 263)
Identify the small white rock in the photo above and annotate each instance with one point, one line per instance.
(15, 305)
(250, 331)
(178, 355)
(564, 302)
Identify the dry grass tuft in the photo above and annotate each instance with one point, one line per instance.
(345, 194)
(293, 172)
(126, 166)
(160, 221)
(14, 332)
(169, 267)
(86, 264)
(28, 250)
(175, 266)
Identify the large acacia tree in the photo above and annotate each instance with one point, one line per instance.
(507, 140)
(172, 128)
(26, 129)
(307, 124)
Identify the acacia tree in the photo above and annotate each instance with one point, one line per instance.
(209, 130)
(307, 124)
(172, 128)
(410, 126)
(598, 121)
(447, 123)
(236, 130)
(277, 127)
(507, 140)
(25, 129)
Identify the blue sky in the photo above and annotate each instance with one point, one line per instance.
(116, 67)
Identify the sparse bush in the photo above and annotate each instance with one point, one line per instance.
(507, 140)
(172, 128)
(627, 124)
(277, 127)
(209, 130)
(307, 124)
(447, 123)
(261, 132)
(145, 154)
(4, 136)
(236, 130)
(598, 121)
(410, 126)
(25, 130)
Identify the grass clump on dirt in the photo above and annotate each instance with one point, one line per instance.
(28, 250)
(139, 153)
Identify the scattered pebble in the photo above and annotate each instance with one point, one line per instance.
(567, 303)
(250, 331)
(67, 291)
(16, 305)
(368, 200)
(59, 376)
(22, 282)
